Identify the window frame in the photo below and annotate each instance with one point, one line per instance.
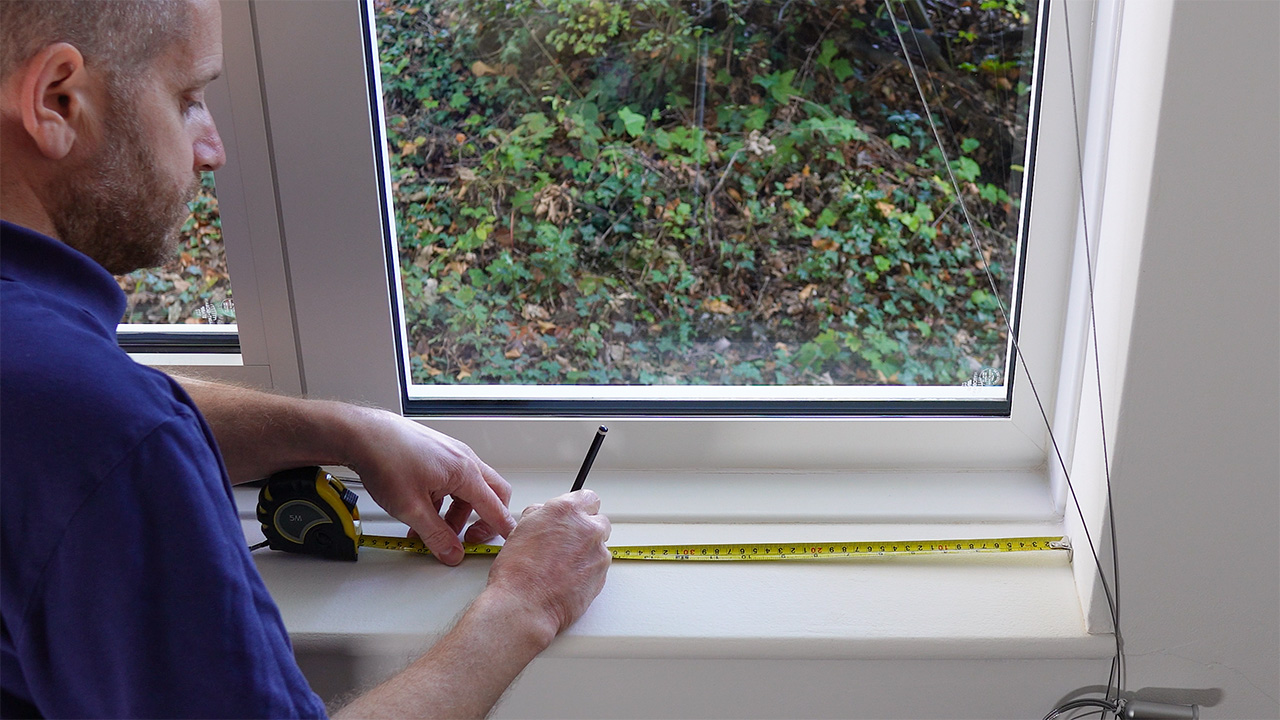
(693, 400)
(315, 85)
(263, 200)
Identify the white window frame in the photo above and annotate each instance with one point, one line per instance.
(314, 82)
(307, 189)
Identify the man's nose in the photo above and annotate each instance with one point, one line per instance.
(209, 153)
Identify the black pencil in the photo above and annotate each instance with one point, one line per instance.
(591, 457)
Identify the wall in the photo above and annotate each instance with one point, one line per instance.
(1196, 465)
(1195, 461)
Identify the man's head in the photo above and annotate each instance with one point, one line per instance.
(102, 120)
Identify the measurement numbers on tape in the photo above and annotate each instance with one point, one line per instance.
(772, 551)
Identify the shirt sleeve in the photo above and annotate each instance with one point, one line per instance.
(151, 605)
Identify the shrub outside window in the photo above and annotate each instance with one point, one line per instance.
(731, 195)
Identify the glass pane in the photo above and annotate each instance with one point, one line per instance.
(709, 193)
(193, 288)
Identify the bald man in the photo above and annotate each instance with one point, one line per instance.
(127, 587)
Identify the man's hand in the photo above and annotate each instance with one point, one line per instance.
(550, 570)
(409, 469)
(555, 561)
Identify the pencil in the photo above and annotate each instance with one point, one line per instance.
(591, 457)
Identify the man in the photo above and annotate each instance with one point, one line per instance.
(127, 587)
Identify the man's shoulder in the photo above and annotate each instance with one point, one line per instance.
(70, 394)
(65, 365)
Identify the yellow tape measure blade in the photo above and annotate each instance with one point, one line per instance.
(414, 545)
(820, 551)
(770, 551)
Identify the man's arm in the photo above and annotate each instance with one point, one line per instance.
(408, 469)
(548, 572)
(260, 433)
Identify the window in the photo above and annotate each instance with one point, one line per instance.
(662, 195)
(316, 80)
(187, 303)
(326, 180)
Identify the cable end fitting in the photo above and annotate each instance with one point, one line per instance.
(1148, 710)
(1064, 544)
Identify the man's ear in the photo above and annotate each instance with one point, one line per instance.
(55, 96)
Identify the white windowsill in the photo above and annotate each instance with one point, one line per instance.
(223, 367)
(181, 359)
(392, 605)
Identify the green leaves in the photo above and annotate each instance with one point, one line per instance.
(966, 169)
(779, 85)
(841, 68)
(601, 192)
(632, 121)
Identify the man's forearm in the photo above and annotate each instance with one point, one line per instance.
(260, 433)
(466, 672)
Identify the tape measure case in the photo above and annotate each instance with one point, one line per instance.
(307, 510)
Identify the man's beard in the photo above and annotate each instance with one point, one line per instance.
(117, 208)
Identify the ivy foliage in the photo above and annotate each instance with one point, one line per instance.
(719, 192)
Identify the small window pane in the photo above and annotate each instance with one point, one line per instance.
(713, 193)
(193, 288)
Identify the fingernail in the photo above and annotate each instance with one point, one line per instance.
(451, 555)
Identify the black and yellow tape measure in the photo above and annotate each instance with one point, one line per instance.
(307, 510)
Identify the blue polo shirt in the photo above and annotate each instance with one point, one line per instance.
(126, 587)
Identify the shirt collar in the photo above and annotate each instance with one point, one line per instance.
(51, 266)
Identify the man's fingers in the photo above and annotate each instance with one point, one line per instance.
(479, 532)
(584, 500)
(439, 538)
(457, 516)
(605, 526)
(489, 499)
(496, 482)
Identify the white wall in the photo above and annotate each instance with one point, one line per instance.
(1196, 464)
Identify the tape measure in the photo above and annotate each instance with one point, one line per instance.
(307, 510)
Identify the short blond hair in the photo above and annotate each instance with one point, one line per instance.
(119, 37)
